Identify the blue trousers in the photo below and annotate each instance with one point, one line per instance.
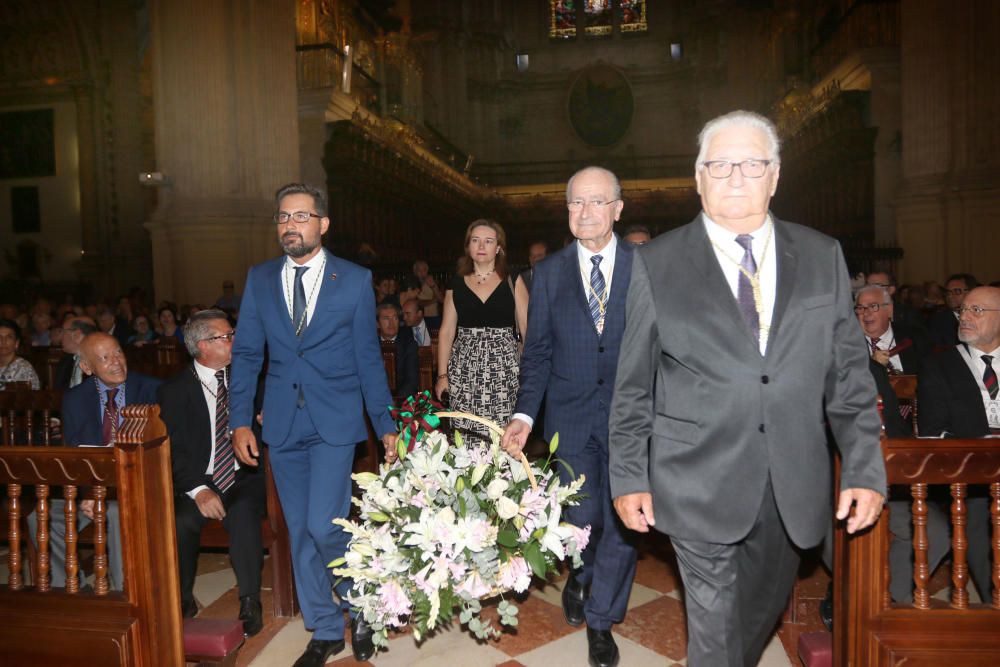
(609, 559)
(314, 483)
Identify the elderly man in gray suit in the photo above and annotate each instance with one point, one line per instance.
(717, 423)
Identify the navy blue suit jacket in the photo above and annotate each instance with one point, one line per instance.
(81, 408)
(337, 362)
(565, 360)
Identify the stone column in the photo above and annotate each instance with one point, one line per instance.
(224, 87)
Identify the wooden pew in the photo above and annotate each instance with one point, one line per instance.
(871, 630)
(139, 626)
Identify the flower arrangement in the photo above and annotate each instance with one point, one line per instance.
(450, 524)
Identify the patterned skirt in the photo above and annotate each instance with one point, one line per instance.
(482, 378)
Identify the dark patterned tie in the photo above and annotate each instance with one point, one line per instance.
(299, 302)
(744, 291)
(990, 377)
(596, 297)
(873, 342)
(224, 470)
(109, 426)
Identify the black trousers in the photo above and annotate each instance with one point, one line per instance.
(245, 503)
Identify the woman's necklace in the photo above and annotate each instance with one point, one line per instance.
(482, 277)
(754, 278)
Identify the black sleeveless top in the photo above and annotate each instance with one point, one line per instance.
(497, 311)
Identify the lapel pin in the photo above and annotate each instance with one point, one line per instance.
(333, 276)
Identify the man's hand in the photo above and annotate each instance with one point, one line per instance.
(515, 436)
(245, 446)
(389, 442)
(636, 511)
(87, 507)
(867, 506)
(210, 504)
(881, 356)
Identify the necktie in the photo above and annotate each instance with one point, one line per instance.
(223, 471)
(418, 336)
(990, 377)
(76, 377)
(109, 426)
(299, 302)
(874, 344)
(744, 291)
(596, 299)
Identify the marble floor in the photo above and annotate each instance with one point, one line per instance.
(653, 632)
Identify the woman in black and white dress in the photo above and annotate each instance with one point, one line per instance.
(477, 343)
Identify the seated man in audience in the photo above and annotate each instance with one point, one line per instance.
(230, 300)
(958, 398)
(111, 324)
(209, 483)
(902, 312)
(68, 372)
(536, 253)
(637, 235)
(942, 325)
(895, 346)
(407, 361)
(92, 415)
(413, 315)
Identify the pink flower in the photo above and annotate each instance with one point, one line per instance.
(581, 536)
(515, 574)
(473, 586)
(393, 601)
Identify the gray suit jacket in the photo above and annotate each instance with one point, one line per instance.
(701, 419)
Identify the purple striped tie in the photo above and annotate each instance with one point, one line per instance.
(744, 292)
(224, 470)
(990, 377)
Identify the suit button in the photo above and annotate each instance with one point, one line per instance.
(302, 354)
(601, 349)
(763, 378)
(600, 381)
(295, 386)
(761, 428)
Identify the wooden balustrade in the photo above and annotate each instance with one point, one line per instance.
(869, 629)
(138, 626)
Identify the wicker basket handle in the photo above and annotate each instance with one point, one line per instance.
(493, 426)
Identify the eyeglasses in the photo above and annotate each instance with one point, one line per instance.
(976, 311)
(882, 285)
(282, 218)
(578, 204)
(871, 306)
(752, 168)
(957, 291)
(228, 337)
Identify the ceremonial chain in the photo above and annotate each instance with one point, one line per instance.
(300, 325)
(207, 388)
(754, 278)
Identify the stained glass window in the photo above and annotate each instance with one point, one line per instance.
(562, 19)
(597, 16)
(632, 15)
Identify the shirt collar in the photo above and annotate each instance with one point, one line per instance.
(607, 253)
(104, 388)
(977, 354)
(724, 237)
(205, 374)
(312, 263)
(885, 336)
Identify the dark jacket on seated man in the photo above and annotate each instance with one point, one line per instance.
(407, 363)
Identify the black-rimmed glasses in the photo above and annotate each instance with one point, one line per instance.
(874, 307)
(282, 217)
(752, 168)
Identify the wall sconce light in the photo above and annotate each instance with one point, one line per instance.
(152, 179)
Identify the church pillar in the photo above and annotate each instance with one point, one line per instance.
(224, 89)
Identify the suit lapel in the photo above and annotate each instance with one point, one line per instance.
(277, 289)
(326, 292)
(197, 397)
(573, 284)
(787, 267)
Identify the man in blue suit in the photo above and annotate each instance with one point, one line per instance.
(576, 318)
(92, 414)
(315, 314)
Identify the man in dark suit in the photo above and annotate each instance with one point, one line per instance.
(739, 331)
(68, 373)
(942, 325)
(898, 348)
(958, 397)
(92, 413)
(314, 313)
(537, 251)
(577, 316)
(401, 337)
(208, 482)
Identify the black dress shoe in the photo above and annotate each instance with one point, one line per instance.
(251, 615)
(361, 639)
(318, 650)
(826, 608)
(602, 647)
(574, 596)
(189, 609)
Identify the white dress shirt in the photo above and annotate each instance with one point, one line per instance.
(309, 279)
(729, 253)
(607, 268)
(974, 359)
(886, 342)
(421, 335)
(210, 389)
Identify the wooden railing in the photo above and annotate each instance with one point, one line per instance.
(869, 629)
(138, 626)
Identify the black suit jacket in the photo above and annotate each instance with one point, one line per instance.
(942, 326)
(913, 353)
(949, 398)
(64, 372)
(895, 425)
(81, 408)
(407, 363)
(184, 411)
